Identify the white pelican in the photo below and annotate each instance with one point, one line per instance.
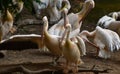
(51, 41)
(52, 7)
(75, 20)
(6, 24)
(107, 41)
(17, 7)
(110, 23)
(117, 15)
(71, 51)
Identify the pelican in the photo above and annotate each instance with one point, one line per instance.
(106, 40)
(54, 8)
(6, 24)
(71, 51)
(17, 7)
(117, 15)
(51, 41)
(74, 18)
(110, 23)
(18, 3)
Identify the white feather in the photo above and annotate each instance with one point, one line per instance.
(82, 46)
(105, 21)
(106, 39)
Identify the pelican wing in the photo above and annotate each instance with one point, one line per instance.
(105, 21)
(115, 40)
(103, 37)
(21, 42)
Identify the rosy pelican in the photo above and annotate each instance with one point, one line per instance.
(19, 4)
(51, 41)
(75, 20)
(117, 15)
(71, 51)
(6, 24)
(110, 23)
(106, 40)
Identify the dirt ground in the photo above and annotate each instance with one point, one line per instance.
(40, 62)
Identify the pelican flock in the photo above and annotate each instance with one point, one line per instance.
(74, 18)
(64, 38)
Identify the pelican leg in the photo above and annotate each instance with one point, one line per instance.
(75, 68)
(98, 49)
(66, 69)
(97, 53)
(55, 59)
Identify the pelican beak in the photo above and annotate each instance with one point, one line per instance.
(66, 21)
(89, 6)
(67, 5)
(42, 37)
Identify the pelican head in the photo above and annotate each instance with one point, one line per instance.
(7, 16)
(115, 15)
(87, 6)
(45, 20)
(67, 5)
(20, 6)
(66, 21)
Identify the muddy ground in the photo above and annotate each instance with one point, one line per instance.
(40, 62)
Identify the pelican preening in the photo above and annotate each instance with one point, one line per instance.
(53, 7)
(75, 19)
(107, 41)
